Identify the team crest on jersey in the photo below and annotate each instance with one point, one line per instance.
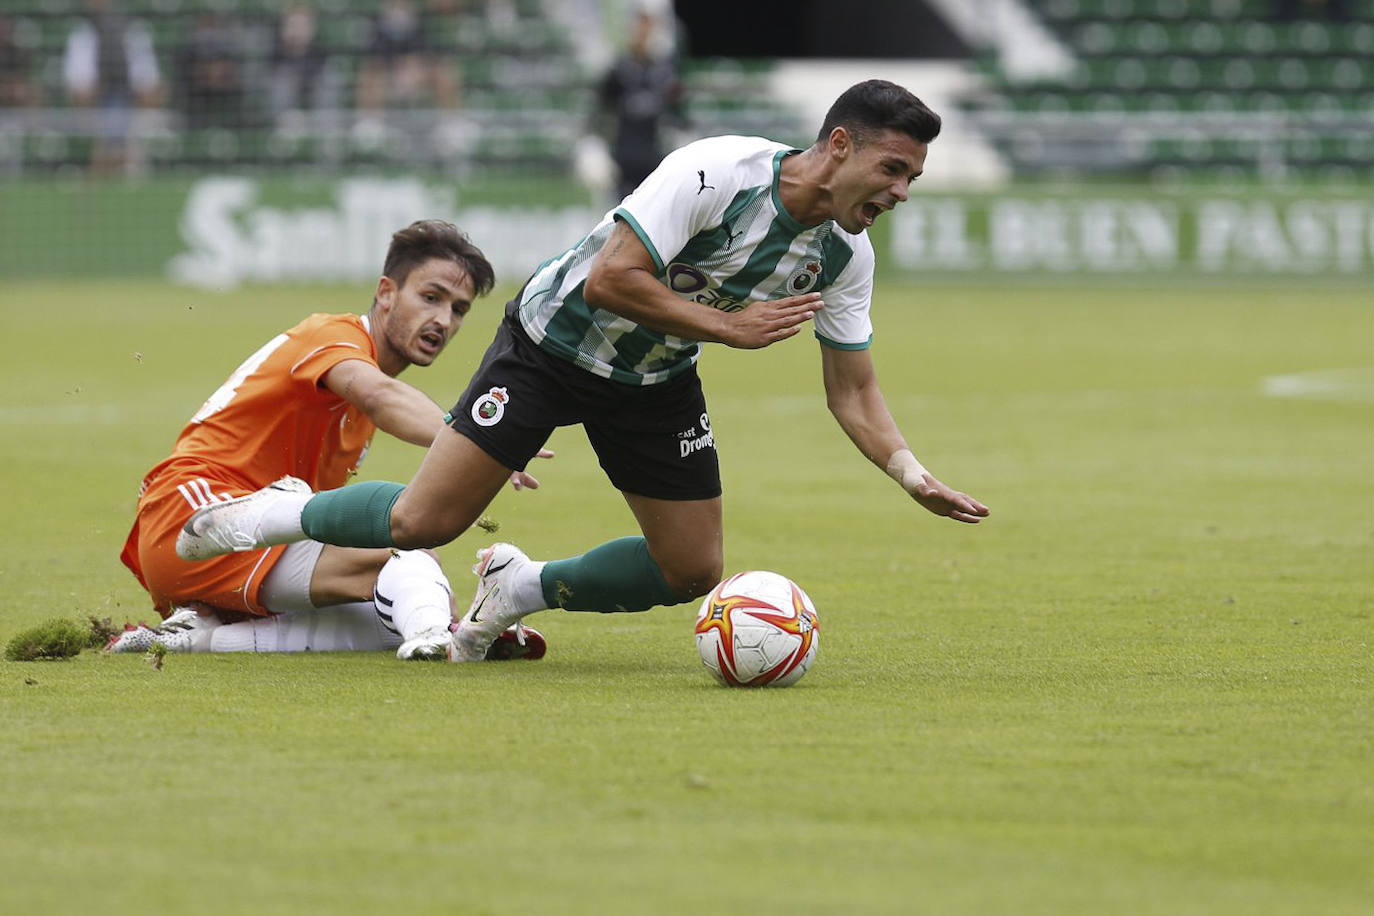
(490, 407)
(803, 278)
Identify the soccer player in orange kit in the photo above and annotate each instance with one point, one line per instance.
(305, 407)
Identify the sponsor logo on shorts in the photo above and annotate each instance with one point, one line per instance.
(696, 438)
(490, 407)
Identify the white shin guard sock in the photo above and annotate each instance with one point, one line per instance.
(527, 591)
(256, 635)
(339, 628)
(281, 519)
(412, 594)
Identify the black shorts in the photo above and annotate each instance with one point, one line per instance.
(651, 440)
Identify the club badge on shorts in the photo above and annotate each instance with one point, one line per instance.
(489, 408)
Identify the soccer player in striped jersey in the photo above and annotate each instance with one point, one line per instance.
(733, 240)
(305, 407)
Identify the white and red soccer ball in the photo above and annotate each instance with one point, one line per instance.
(757, 629)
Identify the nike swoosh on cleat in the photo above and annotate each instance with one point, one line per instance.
(472, 616)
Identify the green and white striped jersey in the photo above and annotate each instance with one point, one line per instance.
(711, 218)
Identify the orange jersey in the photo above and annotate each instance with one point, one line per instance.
(271, 418)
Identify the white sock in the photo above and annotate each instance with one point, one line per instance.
(257, 635)
(350, 627)
(281, 519)
(412, 593)
(527, 593)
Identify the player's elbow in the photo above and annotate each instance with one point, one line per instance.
(851, 417)
(841, 404)
(853, 396)
(375, 398)
(613, 286)
(598, 289)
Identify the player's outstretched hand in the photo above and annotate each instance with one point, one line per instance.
(521, 480)
(941, 500)
(766, 322)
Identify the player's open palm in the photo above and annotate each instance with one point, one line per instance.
(766, 322)
(942, 500)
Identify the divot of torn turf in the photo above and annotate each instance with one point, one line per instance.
(53, 639)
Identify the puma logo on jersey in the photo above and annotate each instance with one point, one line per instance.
(729, 236)
(701, 174)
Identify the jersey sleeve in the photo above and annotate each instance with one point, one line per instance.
(325, 343)
(687, 193)
(845, 322)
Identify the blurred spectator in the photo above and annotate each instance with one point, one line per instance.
(1331, 10)
(300, 80)
(17, 88)
(209, 78)
(641, 92)
(402, 67)
(109, 64)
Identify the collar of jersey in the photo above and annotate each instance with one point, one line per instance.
(784, 217)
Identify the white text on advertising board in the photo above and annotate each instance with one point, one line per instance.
(1113, 235)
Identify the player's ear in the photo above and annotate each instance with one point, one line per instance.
(841, 142)
(386, 293)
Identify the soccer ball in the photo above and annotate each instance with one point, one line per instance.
(758, 629)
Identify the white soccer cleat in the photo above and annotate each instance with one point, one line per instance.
(432, 645)
(492, 611)
(184, 631)
(233, 525)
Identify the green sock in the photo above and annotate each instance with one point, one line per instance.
(617, 576)
(358, 515)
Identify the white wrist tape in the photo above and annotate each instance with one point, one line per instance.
(905, 469)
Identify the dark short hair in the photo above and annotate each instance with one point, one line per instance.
(875, 105)
(430, 239)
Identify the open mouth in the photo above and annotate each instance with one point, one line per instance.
(432, 340)
(870, 212)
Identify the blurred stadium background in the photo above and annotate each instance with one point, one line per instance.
(229, 141)
(1127, 306)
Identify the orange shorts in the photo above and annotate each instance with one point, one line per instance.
(228, 583)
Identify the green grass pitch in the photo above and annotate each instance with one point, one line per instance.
(1143, 686)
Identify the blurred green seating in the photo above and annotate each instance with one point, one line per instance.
(1223, 68)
